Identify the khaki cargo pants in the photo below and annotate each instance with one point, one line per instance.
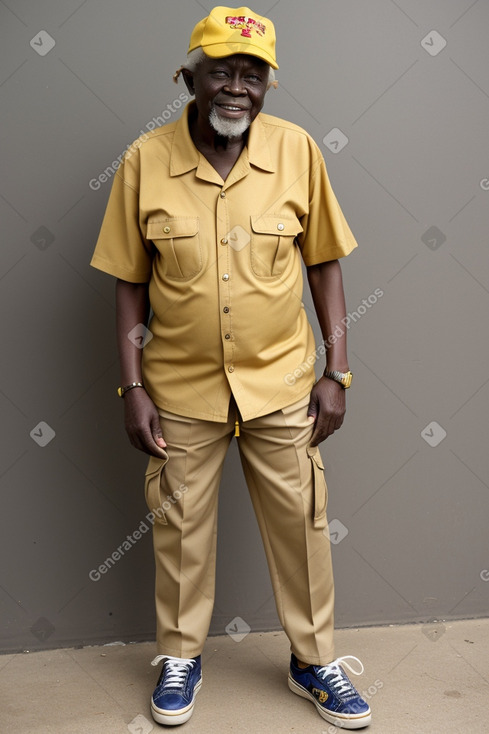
(285, 478)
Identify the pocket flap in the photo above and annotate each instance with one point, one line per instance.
(167, 229)
(320, 487)
(276, 225)
(152, 487)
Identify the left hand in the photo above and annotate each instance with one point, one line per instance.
(327, 407)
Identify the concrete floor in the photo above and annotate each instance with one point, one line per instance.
(431, 679)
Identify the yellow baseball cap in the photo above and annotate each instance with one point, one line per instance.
(228, 31)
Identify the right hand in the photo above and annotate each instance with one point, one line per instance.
(142, 423)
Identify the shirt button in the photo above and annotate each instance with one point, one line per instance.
(226, 309)
(227, 336)
(225, 276)
(231, 368)
(224, 241)
(166, 230)
(222, 194)
(280, 226)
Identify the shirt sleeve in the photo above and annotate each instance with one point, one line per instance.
(122, 249)
(326, 234)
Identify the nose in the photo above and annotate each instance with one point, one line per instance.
(235, 86)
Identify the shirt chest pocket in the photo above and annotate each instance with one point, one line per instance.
(178, 243)
(272, 243)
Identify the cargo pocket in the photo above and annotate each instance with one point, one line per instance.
(178, 242)
(272, 243)
(320, 488)
(152, 488)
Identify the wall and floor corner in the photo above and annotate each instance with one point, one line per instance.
(397, 96)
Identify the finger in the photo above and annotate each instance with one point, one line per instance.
(324, 429)
(312, 408)
(312, 412)
(157, 436)
(317, 434)
(149, 446)
(156, 432)
(152, 444)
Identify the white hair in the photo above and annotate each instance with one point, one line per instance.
(194, 58)
(197, 56)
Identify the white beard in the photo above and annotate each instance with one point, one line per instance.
(229, 128)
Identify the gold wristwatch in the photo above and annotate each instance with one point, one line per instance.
(344, 378)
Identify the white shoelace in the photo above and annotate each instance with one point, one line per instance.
(340, 683)
(176, 670)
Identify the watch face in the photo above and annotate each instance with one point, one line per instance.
(346, 381)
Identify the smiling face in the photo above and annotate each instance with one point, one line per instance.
(229, 93)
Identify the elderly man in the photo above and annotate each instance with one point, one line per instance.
(207, 222)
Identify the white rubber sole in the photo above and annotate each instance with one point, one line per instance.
(342, 721)
(174, 718)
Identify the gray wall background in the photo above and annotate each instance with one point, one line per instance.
(402, 119)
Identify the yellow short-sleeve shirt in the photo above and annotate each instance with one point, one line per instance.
(223, 264)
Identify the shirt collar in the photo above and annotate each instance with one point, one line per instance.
(185, 156)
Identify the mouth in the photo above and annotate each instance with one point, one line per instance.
(231, 110)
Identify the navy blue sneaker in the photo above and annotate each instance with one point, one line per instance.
(332, 692)
(173, 699)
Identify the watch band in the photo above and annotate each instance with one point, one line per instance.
(122, 390)
(344, 378)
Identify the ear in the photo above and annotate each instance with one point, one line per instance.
(188, 78)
